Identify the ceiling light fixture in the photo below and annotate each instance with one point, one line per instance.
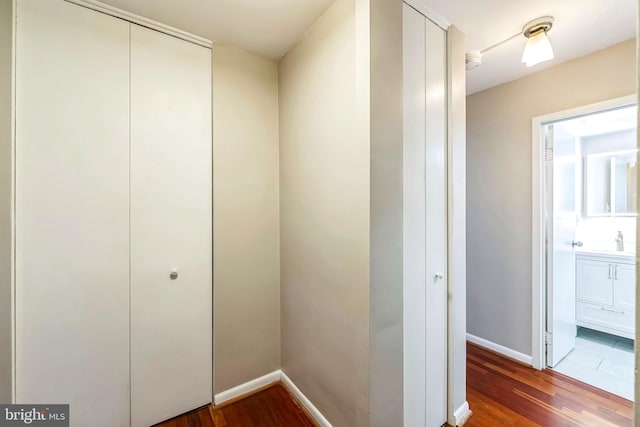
(538, 48)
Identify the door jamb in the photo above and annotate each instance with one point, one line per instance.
(538, 226)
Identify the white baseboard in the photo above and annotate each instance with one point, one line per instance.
(269, 379)
(462, 414)
(506, 351)
(247, 387)
(310, 407)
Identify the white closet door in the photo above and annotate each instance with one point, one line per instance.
(414, 214)
(171, 197)
(72, 211)
(425, 221)
(436, 224)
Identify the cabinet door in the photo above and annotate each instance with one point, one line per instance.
(624, 287)
(171, 318)
(594, 281)
(72, 211)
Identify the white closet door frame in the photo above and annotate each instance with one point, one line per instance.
(141, 20)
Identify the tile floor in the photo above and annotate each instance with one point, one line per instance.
(602, 360)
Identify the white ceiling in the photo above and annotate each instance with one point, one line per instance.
(267, 27)
(271, 27)
(580, 27)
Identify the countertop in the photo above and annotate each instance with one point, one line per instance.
(605, 252)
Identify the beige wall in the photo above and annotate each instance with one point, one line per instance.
(246, 217)
(6, 42)
(499, 183)
(386, 213)
(324, 190)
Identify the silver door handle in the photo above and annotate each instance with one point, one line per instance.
(616, 272)
(439, 276)
(609, 271)
(174, 274)
(577, 243)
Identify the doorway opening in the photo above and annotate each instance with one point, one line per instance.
(585, 212)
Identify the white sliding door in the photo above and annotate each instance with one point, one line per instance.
(72, 211)
(171, 318)
(425, 221)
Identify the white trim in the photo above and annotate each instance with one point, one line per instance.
(456, 226)
(421, 6)
(505, 351)
(266, 380)
(538, 291)
(248, 387)
(315, 413)
(140, 20)
(537, 247)
(462, 414)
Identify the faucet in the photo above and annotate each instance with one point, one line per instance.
(619, 242)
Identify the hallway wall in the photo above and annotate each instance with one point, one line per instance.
(499, 183)
(246, 233)
(324, 204)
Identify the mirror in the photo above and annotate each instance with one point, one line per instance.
(610, 184)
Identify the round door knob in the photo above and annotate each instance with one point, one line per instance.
(173, 275)
(439, 276)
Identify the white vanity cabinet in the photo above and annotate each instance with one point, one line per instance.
(605, 293)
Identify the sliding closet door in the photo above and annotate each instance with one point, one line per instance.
(72, 211)
(171, 314)
(425, 221)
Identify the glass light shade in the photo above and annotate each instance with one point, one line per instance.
(538, 49)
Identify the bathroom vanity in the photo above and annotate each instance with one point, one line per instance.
(605, 291)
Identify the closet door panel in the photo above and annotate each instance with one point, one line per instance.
(72, 211)
(414, 215)
(425, 221)
(436, 224)
(171, 180)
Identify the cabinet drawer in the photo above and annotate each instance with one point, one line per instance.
(606, 317)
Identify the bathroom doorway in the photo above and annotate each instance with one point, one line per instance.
(584, 244)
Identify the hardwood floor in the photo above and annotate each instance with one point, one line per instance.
(272, 407)
(502, 392)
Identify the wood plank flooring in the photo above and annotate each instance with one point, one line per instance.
(272, 407)
(501, 392)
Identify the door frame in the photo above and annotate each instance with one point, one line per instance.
(538, 222)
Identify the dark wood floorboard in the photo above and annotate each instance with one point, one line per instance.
(272, 407)
(502, 392)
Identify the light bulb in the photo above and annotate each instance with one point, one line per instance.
(538, 49)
